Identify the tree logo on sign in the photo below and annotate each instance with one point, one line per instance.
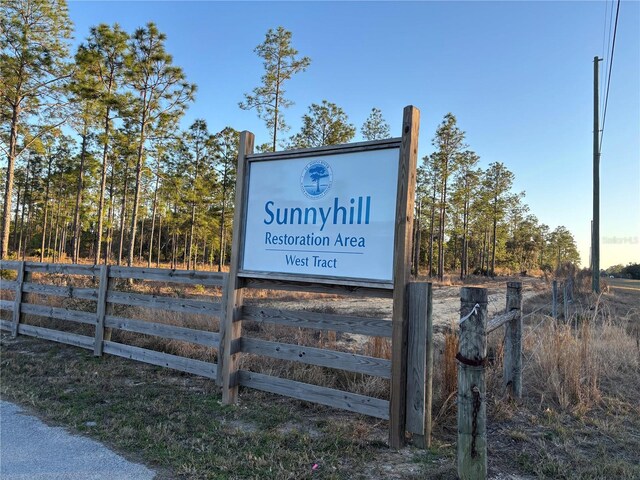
(316, 179)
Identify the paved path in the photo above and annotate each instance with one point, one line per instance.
(31, 450)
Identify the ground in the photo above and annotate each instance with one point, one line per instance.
(176, 424)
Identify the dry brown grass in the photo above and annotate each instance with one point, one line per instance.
(449, 364)
(567, 363)
(562, 366)
(378, 347)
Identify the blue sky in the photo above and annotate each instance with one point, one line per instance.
(517, 75)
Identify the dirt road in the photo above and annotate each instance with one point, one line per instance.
(446, 302)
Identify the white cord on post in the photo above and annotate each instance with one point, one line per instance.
(472, 312)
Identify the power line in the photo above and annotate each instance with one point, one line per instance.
(606, 98)
(604, 28)
(606, 40)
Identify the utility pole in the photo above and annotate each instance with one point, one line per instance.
(595, 231)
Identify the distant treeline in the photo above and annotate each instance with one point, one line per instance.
(470, 220)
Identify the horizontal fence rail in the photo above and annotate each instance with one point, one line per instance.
(64, 291)
(160, 359)
(190, 277)
(173, 332)
(76, 340)
(330, 397)
(181, 305)
(321, 321)
(318, 356)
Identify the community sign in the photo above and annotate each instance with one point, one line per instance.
(325, 215)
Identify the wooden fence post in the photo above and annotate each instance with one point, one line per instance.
(17, 304)
(472, 406)
(512, 378)
(554, 300)
(420, 364)
(222, 317)
(430, 350)
(571, 282)
(231, 324)
(101, 310)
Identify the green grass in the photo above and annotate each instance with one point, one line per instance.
(176, 423)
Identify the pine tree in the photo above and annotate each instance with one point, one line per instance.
(497, 182)
(449, 144)
(101, 63)
(280, 64)
(227, 155)
(426, 190)
(33, 69)
(375, 127)
(197, 166)
(467, 179)
(325, 124)
(563, 247)
(162, 97)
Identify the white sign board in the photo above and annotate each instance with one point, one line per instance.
(330, 215)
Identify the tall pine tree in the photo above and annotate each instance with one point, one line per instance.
(162, 97)
(280, 62)
(33, 70)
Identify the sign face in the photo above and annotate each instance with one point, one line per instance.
(329, 215)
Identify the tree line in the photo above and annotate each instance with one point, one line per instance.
(469, 219)
(98, 166)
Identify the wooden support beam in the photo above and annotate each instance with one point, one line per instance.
(403, 238)
(418, 374)
(352, 402)
(231, 325)
(429, 387)
(499, 320)
(101, 310)
(17, 304)
(375, 327)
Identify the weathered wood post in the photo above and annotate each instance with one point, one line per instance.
(231, 321)
(420, 364)
(403, 239)
(472, 406)
(429, 386)
(565, 301)
(17, 303)
(512, 378)
(101, 310)
(554, 300)
(109, 307)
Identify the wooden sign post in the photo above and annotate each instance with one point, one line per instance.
(402, 272)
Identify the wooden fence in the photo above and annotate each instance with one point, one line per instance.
(241, 342)
(104, 320)
(106, 296)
